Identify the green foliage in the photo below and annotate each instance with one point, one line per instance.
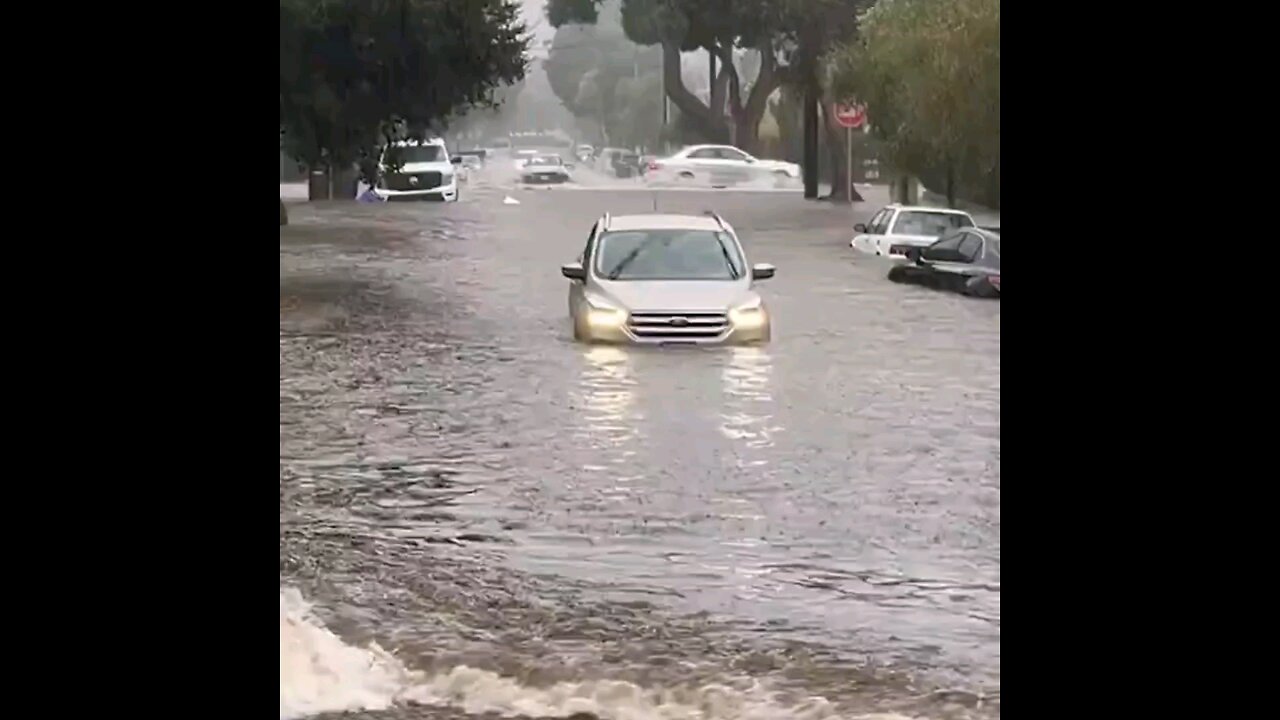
(354, 71)
(929, 72)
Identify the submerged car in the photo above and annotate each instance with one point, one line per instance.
(718, 165)
(666, 279)
(412, 170)
(898, 227)
(966, 261)
(544, 169)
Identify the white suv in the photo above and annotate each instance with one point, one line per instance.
(411, 170)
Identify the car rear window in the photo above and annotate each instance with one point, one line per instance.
(923, 222)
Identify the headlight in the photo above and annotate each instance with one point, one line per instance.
(748, 314)
(606, 316)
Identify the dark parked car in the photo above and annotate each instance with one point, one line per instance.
(626, 164)
(965, 260)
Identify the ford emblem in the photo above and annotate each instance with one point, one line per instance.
(678, 321)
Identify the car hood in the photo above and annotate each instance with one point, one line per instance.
(676, 295)
(421, 167)
(543, 169)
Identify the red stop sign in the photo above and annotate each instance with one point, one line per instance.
(850, 116)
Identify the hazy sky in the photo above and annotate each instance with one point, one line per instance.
(535, 17)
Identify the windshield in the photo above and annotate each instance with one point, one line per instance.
(405, 154)
(915, 222)
(668, 255)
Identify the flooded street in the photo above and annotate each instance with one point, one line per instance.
(480, 517)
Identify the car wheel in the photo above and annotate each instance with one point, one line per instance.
(897, 274)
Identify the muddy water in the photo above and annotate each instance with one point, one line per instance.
(479, 517)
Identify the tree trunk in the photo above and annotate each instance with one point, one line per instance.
(697, 114)
(810, 162)
(951, 185)
(746, 116)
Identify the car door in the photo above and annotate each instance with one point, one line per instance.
(865, 241)
(577, 288)
(703, 163)
(737, 166)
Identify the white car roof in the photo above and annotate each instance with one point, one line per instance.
(663, 222)
(691, 148)
(925, 208)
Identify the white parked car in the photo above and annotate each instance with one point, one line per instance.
(896, 228)
(718, 165)
(411, 170)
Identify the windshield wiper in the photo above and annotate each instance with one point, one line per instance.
(624, 262)
(733, 269)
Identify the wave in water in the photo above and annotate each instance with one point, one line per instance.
(320, 673)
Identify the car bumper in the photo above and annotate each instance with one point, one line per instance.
(544, 179)
(444, 192)
(620, 333)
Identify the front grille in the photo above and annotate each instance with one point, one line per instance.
(404, 181)
(677, 326)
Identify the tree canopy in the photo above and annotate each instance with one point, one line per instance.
(350, 70)
(601, 76)
(929, 73)
(772, 34)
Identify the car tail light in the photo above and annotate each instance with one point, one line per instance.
(655, 165)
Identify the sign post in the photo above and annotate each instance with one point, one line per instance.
(849, 117)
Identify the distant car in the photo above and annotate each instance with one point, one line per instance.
(412, 170)
(472, 159)
(626, 164)
(604, 159)
(584, 152)
(718, 165)
(666, 279)
(966, 261)
(544, 169)
(897, 228)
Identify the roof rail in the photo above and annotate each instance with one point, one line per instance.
(604, 223)
(714, 214)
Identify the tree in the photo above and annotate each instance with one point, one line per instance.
(723, 28)
(594, 71)
(356, 73)
(929, 71)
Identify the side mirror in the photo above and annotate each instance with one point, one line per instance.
(860, 227)
(573, 271)
(762, 271)
(456, 159)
